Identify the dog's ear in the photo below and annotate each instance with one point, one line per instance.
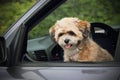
(84, 27)
(52, 33)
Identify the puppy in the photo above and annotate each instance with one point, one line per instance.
(72, 35)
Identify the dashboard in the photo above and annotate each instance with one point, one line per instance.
(44, 49)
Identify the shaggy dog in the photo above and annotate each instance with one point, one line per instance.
(72, 35)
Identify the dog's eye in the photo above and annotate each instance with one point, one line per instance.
(71, 33)
(60, 34)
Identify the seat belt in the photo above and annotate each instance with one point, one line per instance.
(117, 52)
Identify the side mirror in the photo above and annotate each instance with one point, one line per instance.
(2, 50)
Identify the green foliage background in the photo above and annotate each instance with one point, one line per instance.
(106, 11)
(11, 11)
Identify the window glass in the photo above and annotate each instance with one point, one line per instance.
(40, 46)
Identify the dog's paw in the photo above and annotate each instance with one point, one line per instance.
(66, 60)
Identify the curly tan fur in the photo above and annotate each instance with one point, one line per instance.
(72, 35)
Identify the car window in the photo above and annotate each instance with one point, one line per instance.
(40, 46)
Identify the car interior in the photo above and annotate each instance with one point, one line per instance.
(101, 33)
(42, 48)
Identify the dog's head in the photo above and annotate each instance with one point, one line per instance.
(69, 32)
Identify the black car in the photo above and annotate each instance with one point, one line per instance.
(26, 58)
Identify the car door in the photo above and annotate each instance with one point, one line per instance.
(26, 58)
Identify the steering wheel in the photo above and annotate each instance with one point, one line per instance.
(106, 38)
(57, 53)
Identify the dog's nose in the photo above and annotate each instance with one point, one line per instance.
(66, 41)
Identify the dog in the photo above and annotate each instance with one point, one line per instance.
(72, 34)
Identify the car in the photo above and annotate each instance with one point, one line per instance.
(24, 58)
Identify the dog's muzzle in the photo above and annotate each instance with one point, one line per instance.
(66, 41)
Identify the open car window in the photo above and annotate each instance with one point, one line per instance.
(40, 47)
